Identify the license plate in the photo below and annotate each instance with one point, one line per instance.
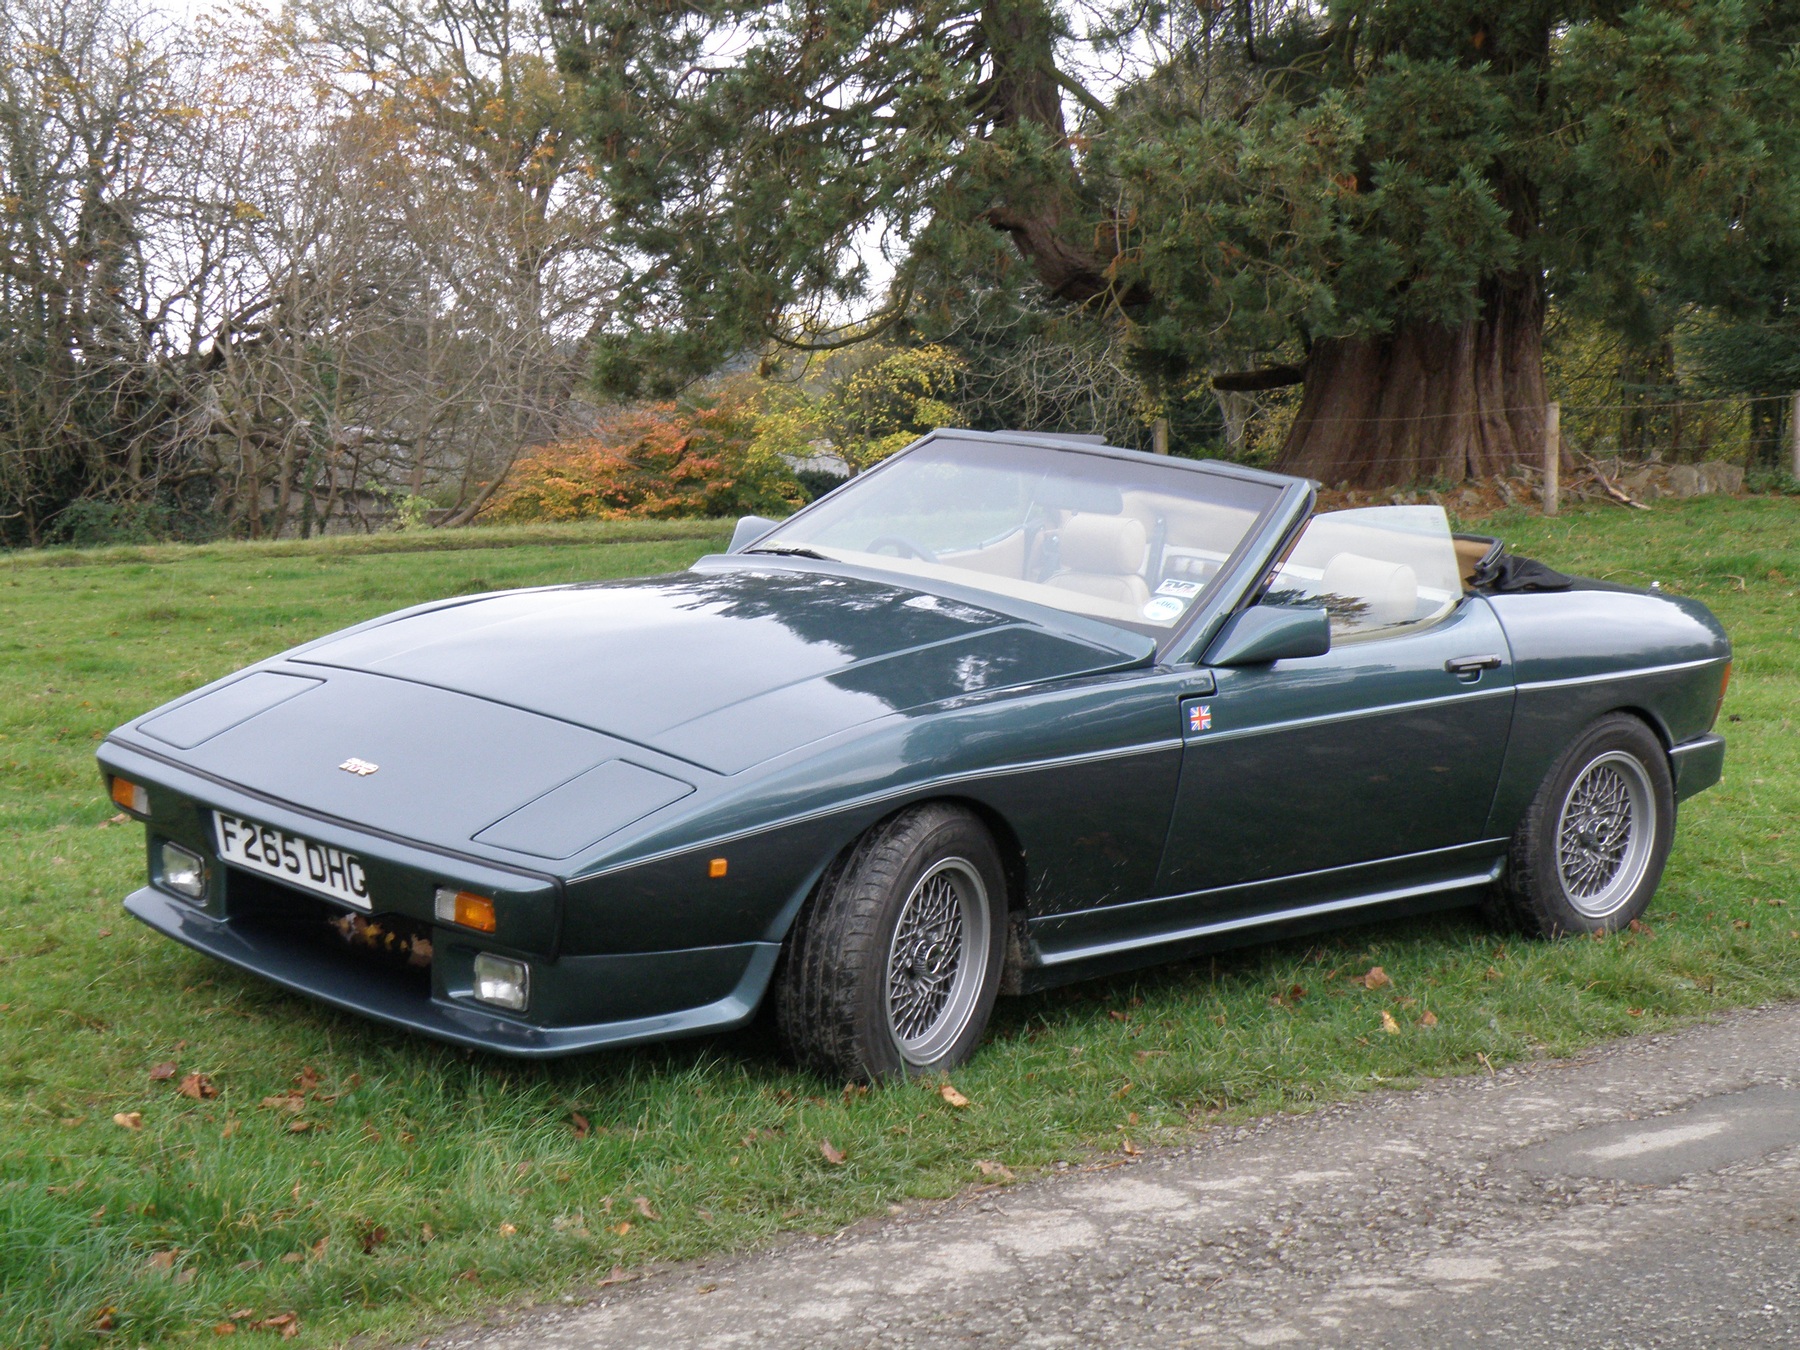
(288, 857)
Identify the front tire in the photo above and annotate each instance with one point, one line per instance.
(1590, 851)
(894, 963)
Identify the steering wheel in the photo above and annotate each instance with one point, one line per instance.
(903, 548)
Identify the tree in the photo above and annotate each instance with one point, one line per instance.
(1372, 197)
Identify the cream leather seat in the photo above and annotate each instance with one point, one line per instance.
(1103, 556)
(1390, 590)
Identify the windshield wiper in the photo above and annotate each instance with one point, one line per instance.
(790, 552)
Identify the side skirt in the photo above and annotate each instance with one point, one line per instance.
(1062, 964)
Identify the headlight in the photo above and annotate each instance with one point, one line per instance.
(504, 983)
(183, 871)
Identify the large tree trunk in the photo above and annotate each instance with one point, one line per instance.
(1426, 403)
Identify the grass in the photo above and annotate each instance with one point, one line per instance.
(427, 1183)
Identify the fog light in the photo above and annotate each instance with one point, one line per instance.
(133, 798)
(466, 908)
(504, 983)
(183, 871)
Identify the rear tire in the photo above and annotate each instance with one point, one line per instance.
(1589, 853)
(894, 962)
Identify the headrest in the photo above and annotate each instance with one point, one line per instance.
(1391, 590)
(1113, 545)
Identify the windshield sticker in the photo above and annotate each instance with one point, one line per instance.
(1200, 717)
(1181, 590)
(1163, 608)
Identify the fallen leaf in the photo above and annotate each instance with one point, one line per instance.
(618, 1276)
(286, 1323)
(832, 1156)
(317, 1250)
(131, 1120)
(162, 1261)
(471, 1276)
(371, 1237)
(164, 1071)
(103, 1319)
(507, 1230)
(621, 1228)
(241, 1314)
(854, 1090)
(1116, 1015)
(301, 1127)
(231, 1128)
(1388, 1024)
(1376, 978)
(225, 1329)
(1635, 1012)
(579, 1123)
(1000, 1171)
(1740, 923)
(291, 1102)
(1641, 928)
(952, 1096)
(425, 1233)
(198, 1086)
(292, 1258)
(643, 1207)
(1130, 1149)
(1429, 1019)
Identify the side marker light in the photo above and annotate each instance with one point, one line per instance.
(716, 868)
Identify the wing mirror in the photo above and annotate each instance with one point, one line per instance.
(749, 530)
(1265, 633)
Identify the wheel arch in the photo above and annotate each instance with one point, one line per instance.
(1012, 861)
(1648, 716)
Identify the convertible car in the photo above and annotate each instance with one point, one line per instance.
(1005, 711)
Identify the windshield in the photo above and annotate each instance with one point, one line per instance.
(1117, 539)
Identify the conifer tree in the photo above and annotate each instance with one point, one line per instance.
(1374, 198)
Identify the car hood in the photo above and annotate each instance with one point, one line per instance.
(728, 665)
(537, 723)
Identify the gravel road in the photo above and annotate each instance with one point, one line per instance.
(1647, 1194)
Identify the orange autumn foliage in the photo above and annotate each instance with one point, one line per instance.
(652, 462)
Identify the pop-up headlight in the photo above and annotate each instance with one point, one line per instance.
(183, 871)
(502, 982)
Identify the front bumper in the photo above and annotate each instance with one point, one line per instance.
(628, 992)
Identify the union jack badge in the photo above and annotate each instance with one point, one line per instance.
(1200, 718)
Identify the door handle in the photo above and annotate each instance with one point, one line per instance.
(1471, 666)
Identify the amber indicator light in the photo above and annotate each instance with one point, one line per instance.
(467, 909)
(1724, 684)
(716, 868)
(130, 796)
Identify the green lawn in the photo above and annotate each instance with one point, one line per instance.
(416, 1182)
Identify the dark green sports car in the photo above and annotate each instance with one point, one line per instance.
(1003, 712)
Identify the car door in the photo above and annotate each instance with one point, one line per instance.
(1371, 768)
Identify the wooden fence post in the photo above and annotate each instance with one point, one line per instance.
(1159, 435)
(1552, 457)
(1794, 434)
